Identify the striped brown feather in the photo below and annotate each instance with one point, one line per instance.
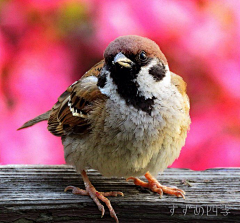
(82, 95)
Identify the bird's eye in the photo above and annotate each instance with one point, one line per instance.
(143, 56)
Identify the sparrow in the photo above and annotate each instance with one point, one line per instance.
(127, 116)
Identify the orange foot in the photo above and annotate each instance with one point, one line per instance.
(95, 195)
(155, 186)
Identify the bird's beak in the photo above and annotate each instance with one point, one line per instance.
(122, 60)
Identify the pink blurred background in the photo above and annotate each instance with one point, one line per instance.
(47, 45)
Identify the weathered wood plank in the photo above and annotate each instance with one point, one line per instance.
(35, 194)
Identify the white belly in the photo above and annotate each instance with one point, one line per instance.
(129, 142)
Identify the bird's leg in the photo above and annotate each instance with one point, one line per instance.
(95, 195)
(155, 186)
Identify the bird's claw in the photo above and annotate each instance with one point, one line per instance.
(155, 186)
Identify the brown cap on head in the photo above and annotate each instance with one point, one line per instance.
(133, 44)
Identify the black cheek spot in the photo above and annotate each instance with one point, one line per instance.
(102, 81)
(158, 72)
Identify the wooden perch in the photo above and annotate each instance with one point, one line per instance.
(35, 194)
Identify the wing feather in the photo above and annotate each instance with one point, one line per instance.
(181, 85)
(70, 112)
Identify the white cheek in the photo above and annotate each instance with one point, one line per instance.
(109, 87)
(148, 87)
(167, 79)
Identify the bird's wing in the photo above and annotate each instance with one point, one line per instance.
(181, 85)
(70, 113)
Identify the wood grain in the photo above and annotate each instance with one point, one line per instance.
(35, 194)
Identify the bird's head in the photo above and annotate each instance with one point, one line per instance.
(135, 68)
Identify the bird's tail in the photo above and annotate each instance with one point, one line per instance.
(42, 117)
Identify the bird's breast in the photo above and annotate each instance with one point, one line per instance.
(125, 141)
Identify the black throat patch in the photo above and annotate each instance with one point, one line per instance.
(127, 88)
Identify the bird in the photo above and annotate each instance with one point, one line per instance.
(127, 116)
